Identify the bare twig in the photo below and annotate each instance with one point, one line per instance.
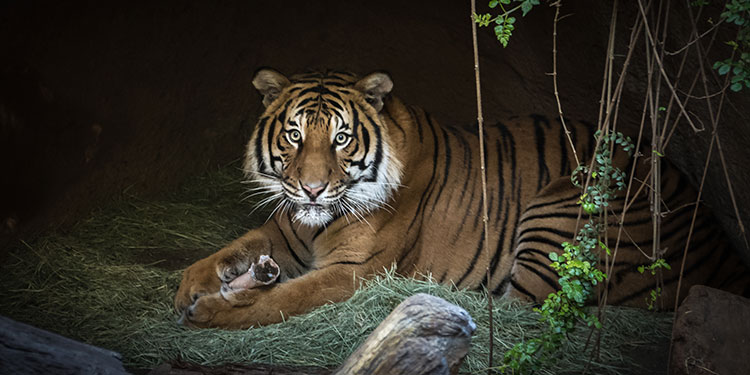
(480, 125)
(692, 221)
(661, 68)
(731, 193)
(686, 46)
(556, 4)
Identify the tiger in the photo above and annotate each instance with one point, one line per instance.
(363, 182)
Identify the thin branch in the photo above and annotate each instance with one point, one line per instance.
(480, 125)
(692, 222)
(715, 124)
(554, 80)
(661, 68)
(695, 40)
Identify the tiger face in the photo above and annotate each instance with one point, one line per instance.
(321, 149)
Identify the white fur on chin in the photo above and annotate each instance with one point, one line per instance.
(313, 215)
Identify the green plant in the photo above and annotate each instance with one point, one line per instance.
(504, 21)
(576, 264)
(653, 267)
(737, 12)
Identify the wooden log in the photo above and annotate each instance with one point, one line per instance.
(422, 335)
(29, 350)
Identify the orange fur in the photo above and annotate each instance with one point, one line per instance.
(430, 220)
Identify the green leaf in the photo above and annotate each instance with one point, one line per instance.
(641, 269)
(553, 257)
(724, 69)
(525, 7)
(736, 87)
(493, 3)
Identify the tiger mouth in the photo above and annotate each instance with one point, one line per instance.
(314, 214)
(313, 207)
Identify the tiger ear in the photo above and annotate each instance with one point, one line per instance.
(269, 83)
(375, 86)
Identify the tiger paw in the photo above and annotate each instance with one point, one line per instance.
(231, 267)
(198, 280)
(201, 313)
(240, 310)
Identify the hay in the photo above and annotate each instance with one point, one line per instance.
(110, 282)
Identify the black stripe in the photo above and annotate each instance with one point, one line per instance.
(446, 170)
(259, 145)
(688, 270)
(532, 251)
(321, 90)
(552, 283)
(467, 160)
(540, 123)
(551, 215)
(500, 180)
(410, 248)
(294, 232)
(442, 278)
(501, 239)
(591, 129)
(564, 164)
(269, 142)
(428, 190)
(561, 200)
(509, 145)
(521, 289)
(556, 232)
(503, 284)
(473, 260)
(396, 124)
(289, 247)
(378, 147)
(419, 123)
(349, 262)
(336, 106)
(319, 232)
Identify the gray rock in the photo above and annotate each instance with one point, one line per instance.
(711, 334)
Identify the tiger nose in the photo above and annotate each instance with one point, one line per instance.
(313, 190)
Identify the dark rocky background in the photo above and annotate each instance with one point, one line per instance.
(100, 98)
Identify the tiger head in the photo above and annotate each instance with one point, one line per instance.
(321, 148)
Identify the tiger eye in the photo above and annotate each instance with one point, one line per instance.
(341, 138)
(295, 135)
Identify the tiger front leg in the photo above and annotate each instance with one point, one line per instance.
(207, 275)
(348, 257)
(255, 307)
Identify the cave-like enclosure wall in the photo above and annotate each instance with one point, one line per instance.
(100, 98)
